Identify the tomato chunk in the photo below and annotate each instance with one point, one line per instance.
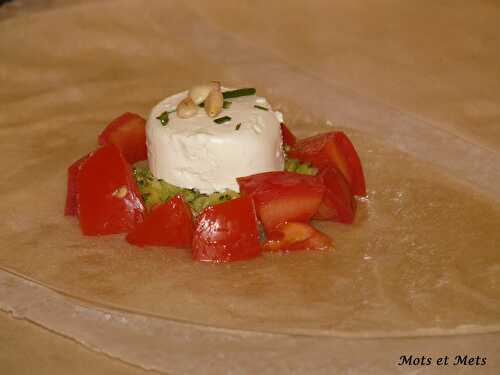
(333, 149)
(167, 224)
(70, 209)
(226, 232)
(358, 184)
(288, 137)
(297, 236)
(128, 133)
(108, 198)
(338, 203)
(283, 196)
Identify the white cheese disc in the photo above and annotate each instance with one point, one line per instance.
(201, 154)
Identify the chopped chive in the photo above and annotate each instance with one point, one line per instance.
(163, 118)
(222, 120)
(238, 126)
(261, 107)
(240, 92)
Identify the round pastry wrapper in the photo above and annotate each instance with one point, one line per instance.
(421, 258)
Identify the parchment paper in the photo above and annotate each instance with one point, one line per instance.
(178, 348)
(422, 257)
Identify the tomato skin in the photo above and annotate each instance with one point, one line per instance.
(283, 196)
(338, 203)
(288, 137)
(70, 208)
(313, 149)
(128, 133)
(167, 224)
(333, 149)
(294, 236)
(101, 207)
(347, 149)
(226, 232)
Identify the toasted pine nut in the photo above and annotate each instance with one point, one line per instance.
(214, 102)
(215, 85)
(186, 108)
(200, 92)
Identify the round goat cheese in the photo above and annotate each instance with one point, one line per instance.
(198, 153)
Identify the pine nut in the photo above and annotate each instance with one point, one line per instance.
(186, 108)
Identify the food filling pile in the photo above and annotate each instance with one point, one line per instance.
(225, 178)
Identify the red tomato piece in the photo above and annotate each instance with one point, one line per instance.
(128, 133)
(108, 198)
(313, 149)
(70, 209)
(338, 202)
(167, 224)
(344, 144)
(283, 196)
(297, 236)
(227, 232)
(333, 149)
(288, 137)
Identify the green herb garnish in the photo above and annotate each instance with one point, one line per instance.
(237, 93)
(222, 119)
(261, 107)
(238, 126)
(163, 118)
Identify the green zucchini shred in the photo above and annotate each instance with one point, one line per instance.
(156, 191)
(294, 165)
